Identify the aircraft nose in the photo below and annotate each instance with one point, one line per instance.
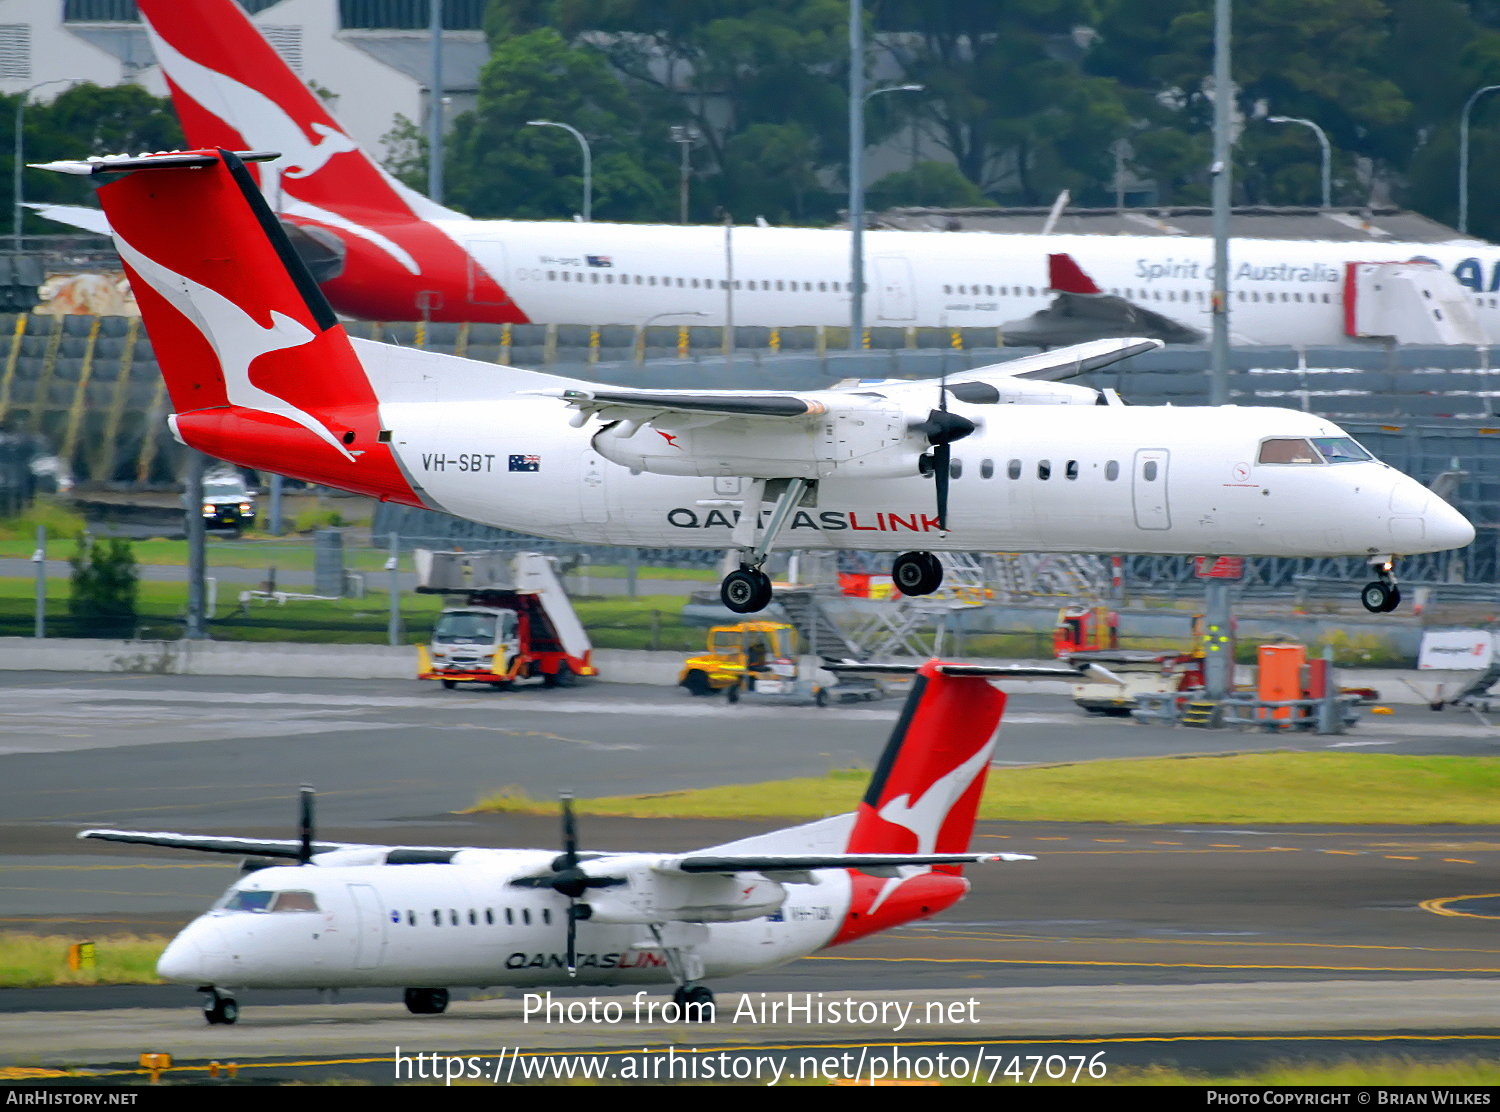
(183, 959)
(1445, 527)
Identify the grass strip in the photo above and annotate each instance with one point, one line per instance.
(38, 960)
(1260, 788)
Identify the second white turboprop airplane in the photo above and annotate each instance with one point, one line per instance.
(428, 918)
(261, 374)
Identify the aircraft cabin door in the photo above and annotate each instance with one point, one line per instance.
(369, 930)
(1148, 489)
(488, 271)
(895, 297)
(592, 488)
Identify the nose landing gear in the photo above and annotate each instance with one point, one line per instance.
(1382, 595)
(220, 1008)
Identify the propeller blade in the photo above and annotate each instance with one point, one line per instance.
(942, 461)
(305, 825)
(572, 938)
(570, 831)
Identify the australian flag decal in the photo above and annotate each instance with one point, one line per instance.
(600, 260)
(525, 463)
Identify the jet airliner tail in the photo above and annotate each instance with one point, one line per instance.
(258, 369)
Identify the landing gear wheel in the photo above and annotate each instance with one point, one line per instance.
(1380, 598)
(450, 684)
(694, 1002)
(697, 683)
(426, 1001)
(220, 1009)
(746, 591)
(917, 573)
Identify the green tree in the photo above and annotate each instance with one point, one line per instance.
(84, 120)
(102, 599)
(498, 166)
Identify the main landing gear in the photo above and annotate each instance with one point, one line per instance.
(695, 1002)
(426, 1001)
(917, 573)
(1381, 596)
(748, 589)
(219, 1007)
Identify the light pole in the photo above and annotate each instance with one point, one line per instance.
(1322, 142)
(16, 154)
(588, 163)
(858, 98)
(684, 137)
(1463, 157)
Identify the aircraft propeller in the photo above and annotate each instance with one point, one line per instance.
(305, 825)
(942, 428)
(569, 880)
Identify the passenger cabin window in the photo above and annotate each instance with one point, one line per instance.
(956, 469)
(1112, 470)
(1013, 469)
(1071, 471)
(1287, 450)
(986, 469)
(1148, 471)
(1044, 469)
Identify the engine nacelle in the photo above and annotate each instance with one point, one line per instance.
(651, 896)
(874, 443)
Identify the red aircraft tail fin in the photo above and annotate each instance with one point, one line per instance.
(1066, 276)
(231, 89)
(923, 797)
(259, 371)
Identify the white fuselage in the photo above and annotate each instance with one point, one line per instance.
(463, 924)
(1284, 292)
(1038, 477)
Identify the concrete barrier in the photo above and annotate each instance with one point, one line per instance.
(250, 658)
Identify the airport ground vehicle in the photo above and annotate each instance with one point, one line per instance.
(518, 625)
(738, 652)
(228, 502)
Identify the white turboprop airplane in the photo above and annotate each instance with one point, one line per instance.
(428, 918)
(384, 252)
(261, 374)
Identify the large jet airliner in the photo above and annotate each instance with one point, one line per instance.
(261, 374)
(384, 252)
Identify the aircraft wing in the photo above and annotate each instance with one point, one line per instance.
(616, 405)
(865, 862)
(290, 848)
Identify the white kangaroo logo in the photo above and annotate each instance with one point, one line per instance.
(263, 124)
(236, 337)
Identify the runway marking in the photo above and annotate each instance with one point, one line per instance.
(1460, 861)
(1269, 944)
(1399, 857)
(1442, 906)
(1163, 965)
(1102, 1040)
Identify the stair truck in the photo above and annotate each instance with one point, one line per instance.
(515, 621)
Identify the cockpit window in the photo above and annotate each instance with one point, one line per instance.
(249, 900)
(1341, 449)
(1288, 450)
(294, 901)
